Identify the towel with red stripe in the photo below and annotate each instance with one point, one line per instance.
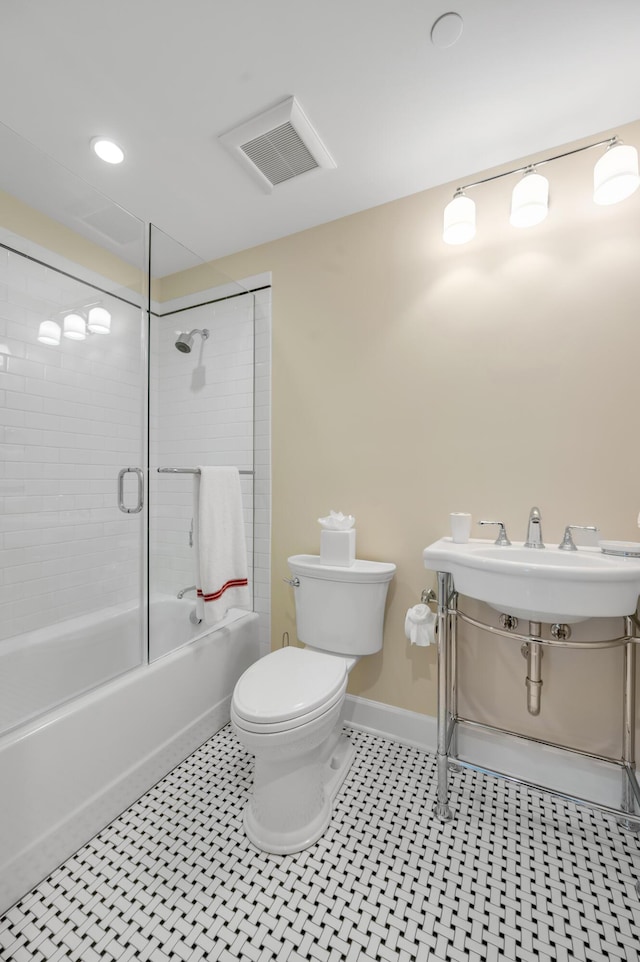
(219, 543)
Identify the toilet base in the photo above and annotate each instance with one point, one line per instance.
(315, 786)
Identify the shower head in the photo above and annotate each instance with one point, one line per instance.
(184, 342)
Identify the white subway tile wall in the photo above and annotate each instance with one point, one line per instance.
(211, 407)
(70, 418)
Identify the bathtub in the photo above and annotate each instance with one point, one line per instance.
(170, 626)
(68, 772)
(42, 669)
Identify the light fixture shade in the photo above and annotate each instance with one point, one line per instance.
(615, 175)
(75, 327)
(459, 220)
(99, 320)
(529, 200)
(49, 333)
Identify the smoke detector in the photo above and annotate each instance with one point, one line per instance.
(278, 145)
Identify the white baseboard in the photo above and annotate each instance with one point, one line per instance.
(398, 724)
(564, 772)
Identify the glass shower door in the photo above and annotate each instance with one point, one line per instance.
(72, 416)
(201, 413)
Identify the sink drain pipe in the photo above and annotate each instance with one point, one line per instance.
(532, 651)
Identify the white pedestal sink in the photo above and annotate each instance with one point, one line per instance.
(548, 585)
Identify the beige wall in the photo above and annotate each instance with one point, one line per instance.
(31, 224)
(411, 379)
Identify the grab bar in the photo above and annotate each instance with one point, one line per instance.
(140, 477)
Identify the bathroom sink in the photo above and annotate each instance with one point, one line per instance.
(545, 584)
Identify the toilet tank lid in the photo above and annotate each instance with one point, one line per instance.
(288, 683)
(309, 566)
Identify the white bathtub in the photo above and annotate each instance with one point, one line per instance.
(68, 773)
(170, 626)
(43, 669)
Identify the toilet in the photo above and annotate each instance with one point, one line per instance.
(287, 707)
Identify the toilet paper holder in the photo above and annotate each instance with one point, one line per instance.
(428, 597)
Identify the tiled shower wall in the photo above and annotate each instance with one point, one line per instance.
(70, 418)
(210, 407)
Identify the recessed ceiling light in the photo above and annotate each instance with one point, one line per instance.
(447, 30)
(107, 150)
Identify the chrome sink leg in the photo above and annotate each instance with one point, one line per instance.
(441, 808)
(453, 685)
(629, 739)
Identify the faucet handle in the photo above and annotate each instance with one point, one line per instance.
(567, 543)
(502, 533)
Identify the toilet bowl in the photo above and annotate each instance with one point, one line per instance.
(287, 708)
(286, 711)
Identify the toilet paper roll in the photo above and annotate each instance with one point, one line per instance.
(420, 625)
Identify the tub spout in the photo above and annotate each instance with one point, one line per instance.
(183, 592)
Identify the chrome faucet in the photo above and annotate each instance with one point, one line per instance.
(534, 530)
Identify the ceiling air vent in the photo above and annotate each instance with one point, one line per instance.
(278, 145)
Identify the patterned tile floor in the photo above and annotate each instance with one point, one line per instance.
(517, 876)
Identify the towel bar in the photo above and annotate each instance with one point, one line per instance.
(190, 471)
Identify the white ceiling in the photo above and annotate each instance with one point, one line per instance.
(165, 77)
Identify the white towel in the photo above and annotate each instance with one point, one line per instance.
(219, 543)
(420, 625)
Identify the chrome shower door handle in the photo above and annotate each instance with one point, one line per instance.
(140, 502)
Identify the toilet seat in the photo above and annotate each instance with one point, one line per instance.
(287, 689)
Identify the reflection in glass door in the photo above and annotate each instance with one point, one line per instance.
(73, 390)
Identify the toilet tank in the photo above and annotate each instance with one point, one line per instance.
(340, 609)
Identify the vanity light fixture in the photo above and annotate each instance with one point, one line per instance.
(615, 178)
(107, 150)
(49, 333)
(76, 325)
